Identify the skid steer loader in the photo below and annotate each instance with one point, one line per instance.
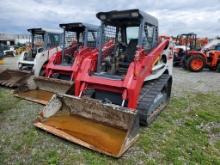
(44, 43)
(57, 75)
(131, 85)
(65, 65)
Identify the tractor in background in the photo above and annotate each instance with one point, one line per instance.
(208, 57)
(183, 44)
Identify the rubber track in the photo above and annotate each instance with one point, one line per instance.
(147, 96)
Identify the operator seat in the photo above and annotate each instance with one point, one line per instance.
(129, 56)
(130, 50)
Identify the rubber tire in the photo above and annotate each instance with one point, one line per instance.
(218, 68)
(189, 60)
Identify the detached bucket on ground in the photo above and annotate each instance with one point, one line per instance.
(105, 128)
(41, 89)
(13, 78)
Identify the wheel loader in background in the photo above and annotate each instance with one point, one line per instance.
(58, 73)
(44, 43)
(130, 86)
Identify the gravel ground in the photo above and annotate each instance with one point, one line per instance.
(184, 81)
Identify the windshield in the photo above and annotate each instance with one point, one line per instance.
(118, 47)
(53, 40)
(71, 38)
(38, 41)
(132, 33)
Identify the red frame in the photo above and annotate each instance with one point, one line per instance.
(133, 81)
(84, 52)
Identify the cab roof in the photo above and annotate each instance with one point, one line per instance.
(131, 17)
(78, 26)
(41, 31)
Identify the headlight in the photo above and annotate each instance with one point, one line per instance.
(102, 17)
(135, 14)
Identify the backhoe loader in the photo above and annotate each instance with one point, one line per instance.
(58, 73)
(130, 86)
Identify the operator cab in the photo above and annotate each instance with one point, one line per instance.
(42, 39)
(128, 30)
(189, 40)
(76, 36)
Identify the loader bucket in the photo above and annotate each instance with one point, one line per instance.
(41, 89)
(105, 128)
(13, 78)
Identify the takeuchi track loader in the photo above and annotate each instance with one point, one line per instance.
(131, 85)
(65, 65)
(58, 73)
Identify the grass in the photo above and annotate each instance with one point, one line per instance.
(6, 101)
(187, 132)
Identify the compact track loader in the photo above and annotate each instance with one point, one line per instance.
(58, 73)
(131, 85)
(65, 65)
(44, 43)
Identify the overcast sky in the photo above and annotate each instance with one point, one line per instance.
(182, 16)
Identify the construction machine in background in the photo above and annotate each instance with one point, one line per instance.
(58, 73)
(44, 43)
(184, 43)
(1, 54)
(131, 85)
(193, 58)
(80, 40)
(208, 57)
